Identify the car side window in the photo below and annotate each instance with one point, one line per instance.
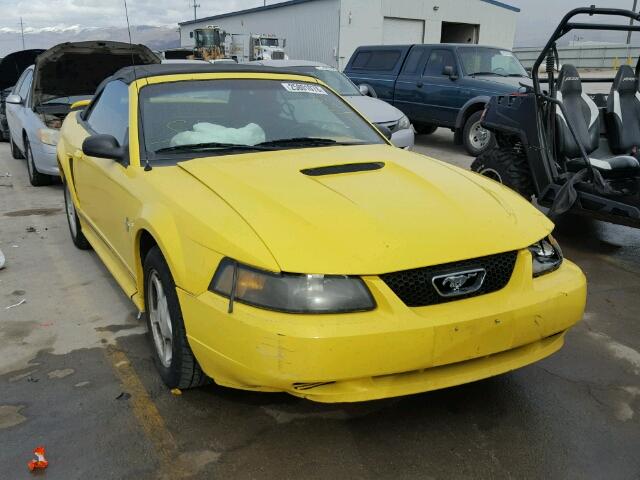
(25, 86)
(413, 61)
(18, 84)
(110, 114)
(437, 61)
(380, 60)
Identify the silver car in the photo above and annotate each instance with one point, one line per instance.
(45, 92)
(377, 111)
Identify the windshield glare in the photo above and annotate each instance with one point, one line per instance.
(336, 80)
(490, 60)
(269, 42)
(246, 112)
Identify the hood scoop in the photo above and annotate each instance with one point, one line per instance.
(345, 168)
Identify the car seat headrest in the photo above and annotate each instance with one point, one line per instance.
(625, 81)
(569, 80)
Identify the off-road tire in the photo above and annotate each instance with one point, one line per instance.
(36, 178)
(472, 149)
(505, 166)
(425, 128)
(75, 229)
(15, 151)
(184, 371)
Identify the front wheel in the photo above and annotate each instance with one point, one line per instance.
(15, 151)
(425, 128)
(173, 357)
(36, 178)
(75, 229)
(475, 137)
(507, 167)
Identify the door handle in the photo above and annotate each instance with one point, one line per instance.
(419, 84)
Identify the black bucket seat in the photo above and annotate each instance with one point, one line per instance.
(584, 116)
(623, 112)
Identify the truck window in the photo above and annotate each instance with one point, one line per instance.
(412, 63)
(382, 60)
(437, 61)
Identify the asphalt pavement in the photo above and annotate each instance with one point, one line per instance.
(76, 376)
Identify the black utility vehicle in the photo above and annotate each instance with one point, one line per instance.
(573, 152)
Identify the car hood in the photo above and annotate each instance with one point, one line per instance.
(412, 212)
(12, 66)
(507, 81)
(376, 111)
(77, 68)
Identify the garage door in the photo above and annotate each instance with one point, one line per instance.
(402, 30)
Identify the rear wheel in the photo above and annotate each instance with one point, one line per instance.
(173, 357)
(15, 152)
(425, 128)
(507, 167)
(36, 178)
(475, 137)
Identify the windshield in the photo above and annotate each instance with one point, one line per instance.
(332, 77)
(490, 61)
(252, 112)
(269, 42)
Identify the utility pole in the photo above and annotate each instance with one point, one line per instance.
(195, 7)
(635, 5)
(22, 32)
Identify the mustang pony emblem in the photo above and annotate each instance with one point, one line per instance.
(459, 283)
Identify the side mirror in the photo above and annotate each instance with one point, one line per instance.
(364, 90)
(80, 105)
(284, 43)
(449, 72)
(14, 99)
(103, 146)
(385, 131)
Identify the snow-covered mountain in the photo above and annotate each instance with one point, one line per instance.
(155, 37)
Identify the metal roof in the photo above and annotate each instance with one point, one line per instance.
(296, 2)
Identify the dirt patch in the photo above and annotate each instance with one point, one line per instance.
(60, 373)
(10, 416)
(115, 328)
(45, 212)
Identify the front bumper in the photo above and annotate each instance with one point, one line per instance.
(393, 350)
(404, 138)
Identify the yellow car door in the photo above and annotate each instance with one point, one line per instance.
(104, 186)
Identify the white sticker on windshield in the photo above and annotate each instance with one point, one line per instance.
(506, 53)
(326, 69)
(304, 88)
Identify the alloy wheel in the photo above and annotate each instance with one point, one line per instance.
(160, 319)
(479, 137)
(71, 212)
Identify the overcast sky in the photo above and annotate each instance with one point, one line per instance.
(537, 19)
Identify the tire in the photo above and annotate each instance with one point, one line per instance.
(175, 362)
(476, 139)
(506, 167)
(15, 152)
(425, 128)
(36, 178)
(75, 229)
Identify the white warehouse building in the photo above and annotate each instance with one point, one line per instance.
(330, 30)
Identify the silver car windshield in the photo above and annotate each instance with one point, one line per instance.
(332, 77)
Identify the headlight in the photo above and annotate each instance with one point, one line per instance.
(547, 256)
(291, 293)
(48, 136)
(404, 123)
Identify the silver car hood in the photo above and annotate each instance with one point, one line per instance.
(376, 111)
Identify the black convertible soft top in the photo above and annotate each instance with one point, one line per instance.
(130, 74)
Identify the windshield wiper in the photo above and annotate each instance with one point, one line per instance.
(305, 142)
(212, 146)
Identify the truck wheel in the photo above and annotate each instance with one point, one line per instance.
(425, 128)
(476, 139)
(506, 167)
(174, 359)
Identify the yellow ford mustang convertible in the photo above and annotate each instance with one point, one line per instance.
(278, 242)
